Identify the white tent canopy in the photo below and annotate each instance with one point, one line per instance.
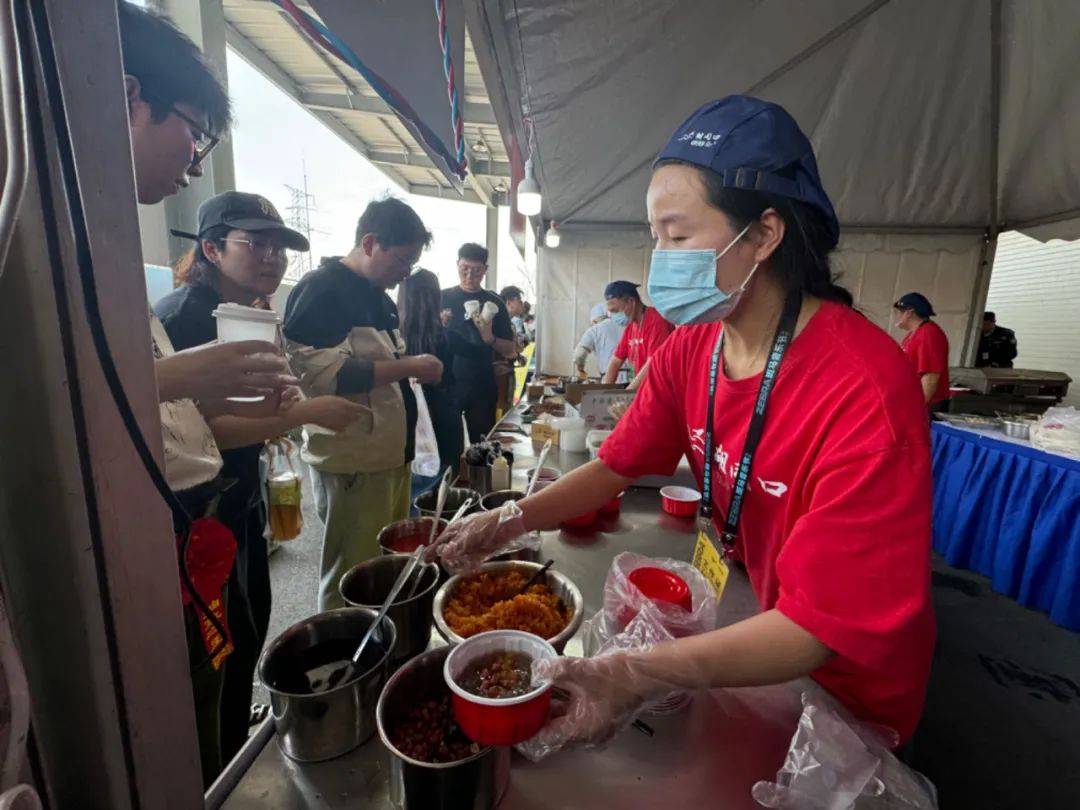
(936, 125)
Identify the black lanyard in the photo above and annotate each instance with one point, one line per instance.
(785, 331)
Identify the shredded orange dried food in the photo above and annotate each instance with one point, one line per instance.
(486, 601)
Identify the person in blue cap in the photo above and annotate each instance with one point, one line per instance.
(803, 424)
(926, 346)
(645, 331)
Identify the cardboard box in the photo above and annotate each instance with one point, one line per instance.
(542, 432)
(576, 390)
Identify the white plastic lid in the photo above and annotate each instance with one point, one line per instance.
(242, 313)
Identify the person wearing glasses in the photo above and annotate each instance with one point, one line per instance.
(342, 337)
(240, 255)
(476, 388)
(176, 110)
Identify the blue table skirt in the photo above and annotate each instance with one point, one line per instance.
(1012, 513)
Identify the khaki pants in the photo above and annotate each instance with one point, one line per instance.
(354, 508)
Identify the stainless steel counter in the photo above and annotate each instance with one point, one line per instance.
(708, 755)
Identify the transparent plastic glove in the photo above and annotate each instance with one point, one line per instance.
(599, 697)
(602, 697)
(470, 541)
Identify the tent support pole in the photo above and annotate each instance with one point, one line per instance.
(979, 292)
(986, 258)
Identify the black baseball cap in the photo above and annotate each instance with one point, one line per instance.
(245, 212)
(916, 301)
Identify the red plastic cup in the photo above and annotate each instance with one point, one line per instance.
(662, 585)
(613, 506)
(498, 721)
(581, 521)
(679, 501)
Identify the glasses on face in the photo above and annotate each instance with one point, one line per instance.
(403, 264)
(202, 140)
(263, 249)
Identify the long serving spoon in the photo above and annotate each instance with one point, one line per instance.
(539, 466)
(345, 673)
(420, 574)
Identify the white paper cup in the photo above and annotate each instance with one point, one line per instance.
(236, 323)
(471, 308)
(489, 312)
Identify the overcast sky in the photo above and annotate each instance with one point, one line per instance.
(274, 139)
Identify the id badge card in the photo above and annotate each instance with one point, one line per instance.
(710, 562)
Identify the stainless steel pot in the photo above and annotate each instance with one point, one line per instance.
(1017, 428)
(493, 500)
(475, 783)
(559, 583)
(315, 727)
(409, 528)
(455, 497)
(367, 584)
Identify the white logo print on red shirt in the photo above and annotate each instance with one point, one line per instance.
(721, 457)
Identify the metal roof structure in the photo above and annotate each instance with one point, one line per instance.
(268, 39)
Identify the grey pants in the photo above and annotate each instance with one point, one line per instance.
(354, 507)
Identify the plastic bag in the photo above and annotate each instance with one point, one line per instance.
(1058, 430)
(835, 762)
(623, 602)
(631, 621)
(283, 490)
(426, 460)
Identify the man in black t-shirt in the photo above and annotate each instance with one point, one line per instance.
(476, 390)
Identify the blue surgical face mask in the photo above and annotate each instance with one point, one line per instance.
(621, 318)
(682, 285)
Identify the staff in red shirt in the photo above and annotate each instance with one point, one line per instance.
(645, 330)
(926, 346)
(800, 420)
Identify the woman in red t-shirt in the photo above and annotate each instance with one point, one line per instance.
(926, 346)
(831, 514)
(645, 331)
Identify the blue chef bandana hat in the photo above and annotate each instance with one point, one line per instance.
(755, 145)
(916, 301)
(620, 289)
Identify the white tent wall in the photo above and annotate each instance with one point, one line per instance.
(1035, 291)
(571, 280)
(877, 268)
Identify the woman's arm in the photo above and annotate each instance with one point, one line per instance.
(588, 487)
(605, 692)
(929, 385)
(764, 649)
